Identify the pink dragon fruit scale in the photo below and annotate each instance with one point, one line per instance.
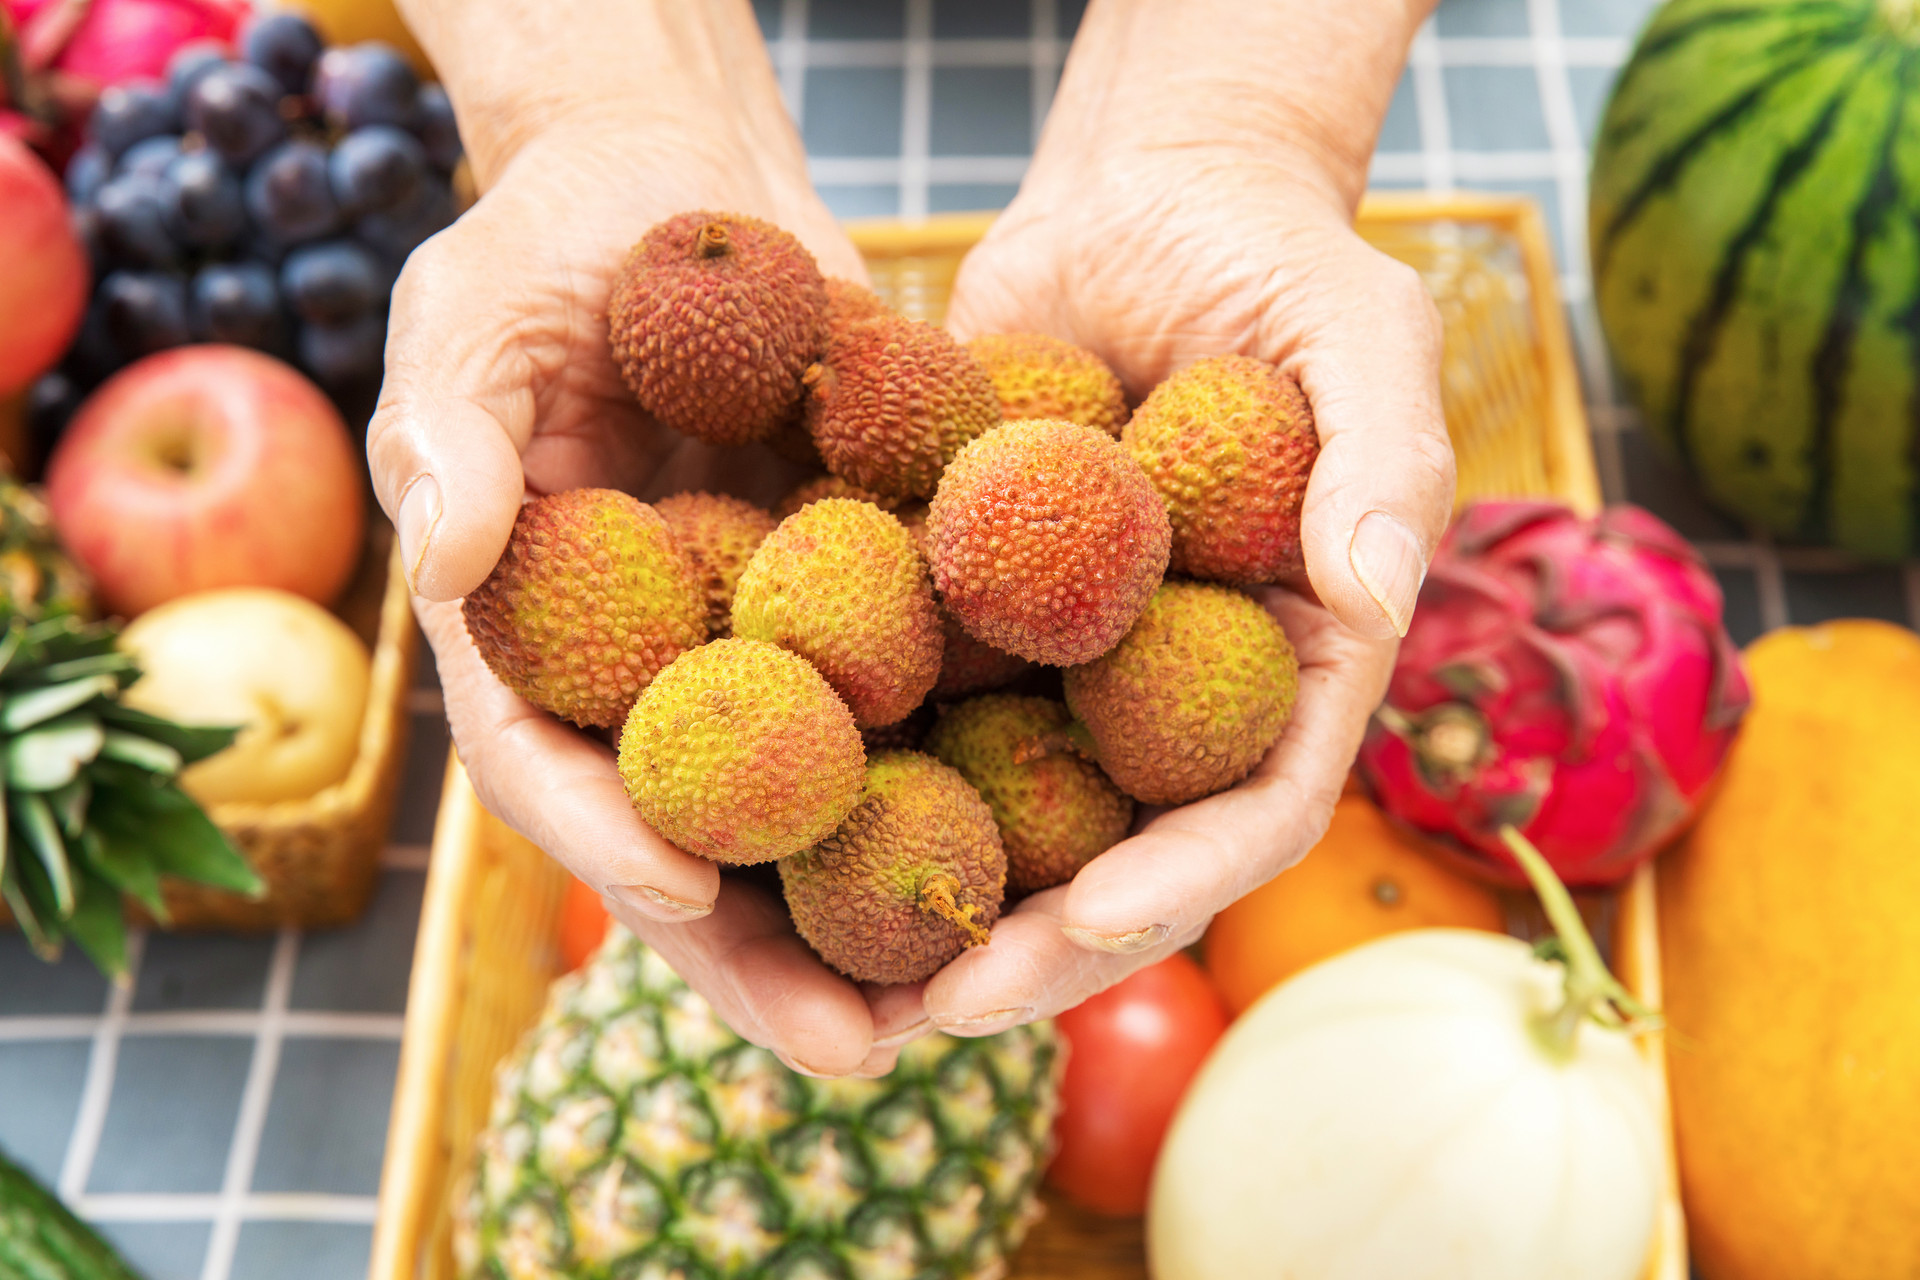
(1569, 676)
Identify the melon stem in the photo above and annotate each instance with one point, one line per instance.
(940, 895)
(1592, 993)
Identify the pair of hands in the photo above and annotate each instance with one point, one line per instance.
(1150, 243)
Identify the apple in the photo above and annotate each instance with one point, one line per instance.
(208, 466)
(288, 671)
(44, 282)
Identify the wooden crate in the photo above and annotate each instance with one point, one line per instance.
(486, 948)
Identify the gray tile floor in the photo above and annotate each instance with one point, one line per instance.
(223, 1117)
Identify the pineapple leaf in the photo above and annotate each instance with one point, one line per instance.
(194, 742)
(36, 706)
(100, 664)
(175, 834)
(127, 866)
(50, 756)
(141, 753)
(19, 899)
(70, 806)
(42, 835)
(10, 645)
(98, 926)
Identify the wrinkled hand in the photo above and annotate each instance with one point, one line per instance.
(499, 381)
(1153, 257)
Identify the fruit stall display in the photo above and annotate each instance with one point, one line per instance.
(493, 899)
(200, 462)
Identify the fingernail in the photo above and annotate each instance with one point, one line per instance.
(985, 1024)
(655, 905)
(419, 514)
(794, 1064)
(906, 1035)
(1386, 558)
(1119, 944)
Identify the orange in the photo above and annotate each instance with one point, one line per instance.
(583, 925)
(1790, 948)
(1365, 879)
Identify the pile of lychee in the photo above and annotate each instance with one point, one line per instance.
(947, 668)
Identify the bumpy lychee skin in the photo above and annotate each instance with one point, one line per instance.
(894, 401)
(714, 320)
(832, 487)
(1056, 810)
(840, 584)
(1046, 541)
(970, 665)
(848, 303)
(591, 598)
(719, 533)
(1229, 443)
(1192, 699)
(741, 753)
(1037, 376)
(913, 877)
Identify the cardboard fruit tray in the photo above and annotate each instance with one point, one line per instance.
(486, 949)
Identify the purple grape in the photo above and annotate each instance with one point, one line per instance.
(86, 170)
(342, 355)
(204, 206)
(236, 108)
(133, 221)
(433, 122)
(334, 282)
(86, 222)
(188, 63)
(237, 302)
(284, 45)
(50, 405)
(375, 169)
(289, 196)
(367, 83)
(150, 156)
(397, 233)
(93, 355)
(126, 113)
(144, 311)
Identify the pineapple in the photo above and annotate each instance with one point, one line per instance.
(38, 579)
(634, 1137)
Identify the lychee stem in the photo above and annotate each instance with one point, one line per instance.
(939, 895)
(713, 242)
(1072, 740)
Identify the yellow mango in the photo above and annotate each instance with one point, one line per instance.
(1790, 936)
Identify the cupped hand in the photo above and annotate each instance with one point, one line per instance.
(500, 382)
(1153, 257)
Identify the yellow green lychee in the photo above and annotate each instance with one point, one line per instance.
(741, 753)
(719, 533)
(590, 600)
(1038, 376)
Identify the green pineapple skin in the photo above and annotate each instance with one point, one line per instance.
(635, 1137)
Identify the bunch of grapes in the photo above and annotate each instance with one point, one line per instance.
(268, 201)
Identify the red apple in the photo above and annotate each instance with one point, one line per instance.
(43, 286)
(205, 467)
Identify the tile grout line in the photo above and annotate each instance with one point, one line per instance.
(90, 1118)
(296, 1024)
(1430, 103)
(252, 1120)
(1770, 583)
(1570, 183)
(916, 110)
(280, 1206)
(791, 54)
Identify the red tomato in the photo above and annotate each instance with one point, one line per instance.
(583, 924)
(1132, 1050)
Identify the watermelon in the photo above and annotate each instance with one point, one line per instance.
(1755, 235)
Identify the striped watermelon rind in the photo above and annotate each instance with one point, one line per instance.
(1755, 231)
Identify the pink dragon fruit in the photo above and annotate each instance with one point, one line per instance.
(1568, 676)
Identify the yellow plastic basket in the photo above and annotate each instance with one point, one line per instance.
(486, 949)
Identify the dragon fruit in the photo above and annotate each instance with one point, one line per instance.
(1571, 677)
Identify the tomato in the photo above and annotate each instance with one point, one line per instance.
(1131, 1051)
(583, 924)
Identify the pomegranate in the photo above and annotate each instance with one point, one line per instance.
(1569, 676)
